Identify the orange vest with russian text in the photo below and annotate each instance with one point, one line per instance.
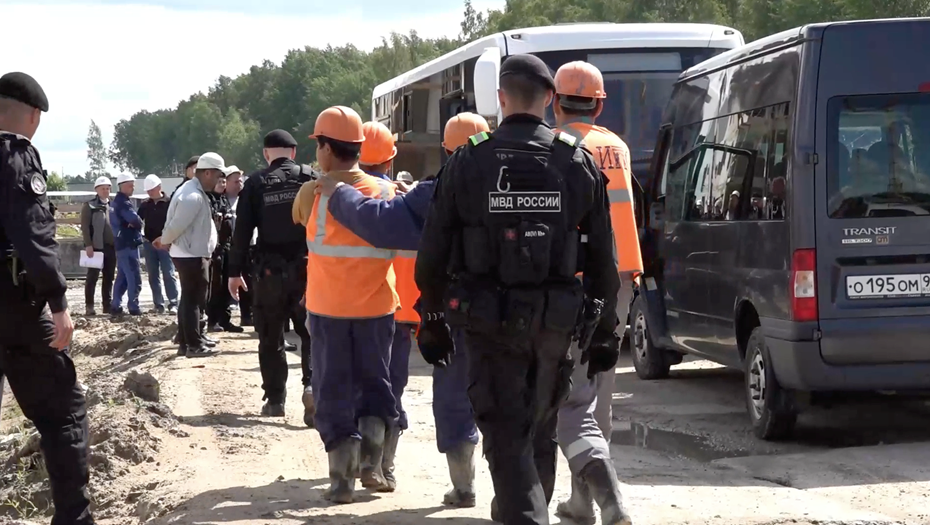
(347, 277)
(612, 156)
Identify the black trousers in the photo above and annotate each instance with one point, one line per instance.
(516, 389)
(93, 274)
(279, 286)
(246, 298)
(218, 308)
(44, 383)
(194, 278)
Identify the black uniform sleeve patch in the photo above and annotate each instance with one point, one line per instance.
(525, 202)
(37, 184)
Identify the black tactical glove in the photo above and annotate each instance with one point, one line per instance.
(434, 340)
(603, 352)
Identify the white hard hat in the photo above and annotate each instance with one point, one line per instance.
(125, 177)
(405, 176)
(151, 182)
(102, 181)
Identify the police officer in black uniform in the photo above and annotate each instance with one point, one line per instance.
(280, 269)
(35, 326)
(219, 314)
(516, 214)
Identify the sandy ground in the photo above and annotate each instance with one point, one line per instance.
(203, 455)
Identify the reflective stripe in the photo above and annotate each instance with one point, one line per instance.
(317, 247)
(584, 237)
(585, 443)
(619, 196)
(410, 254)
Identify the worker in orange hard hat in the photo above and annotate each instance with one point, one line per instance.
(584, 425)
(396, 224)
(351, 302)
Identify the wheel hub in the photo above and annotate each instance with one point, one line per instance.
(757, 384)
(639, 336)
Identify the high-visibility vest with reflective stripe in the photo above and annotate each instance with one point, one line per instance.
(613, 158)
(404, 264)
(347, 277)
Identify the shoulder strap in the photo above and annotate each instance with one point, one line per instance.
(563, 149)
(478, 138)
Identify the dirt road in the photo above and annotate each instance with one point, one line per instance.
(681, 449)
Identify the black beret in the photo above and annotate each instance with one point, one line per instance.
(25, 89)
(192, 162)
(279, 139)
(529, 66)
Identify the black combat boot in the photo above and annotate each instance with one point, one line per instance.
(309, 406)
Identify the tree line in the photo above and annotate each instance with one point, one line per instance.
(236, 112)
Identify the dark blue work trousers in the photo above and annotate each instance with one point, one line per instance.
(400, 369)
(455, 421)
(351, 357)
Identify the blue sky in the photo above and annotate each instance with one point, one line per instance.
(107, 59)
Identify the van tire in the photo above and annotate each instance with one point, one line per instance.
(772, 410)
(649, 361)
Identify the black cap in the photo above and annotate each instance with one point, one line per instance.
(23, 88)
(192, 162)
(279, 139)
(529, 66)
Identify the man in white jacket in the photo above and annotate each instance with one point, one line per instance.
(191, 232)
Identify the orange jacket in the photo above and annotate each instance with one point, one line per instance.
(347, 277)
(404, 264)
(613, 158)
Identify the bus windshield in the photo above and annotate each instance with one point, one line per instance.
(638, 83)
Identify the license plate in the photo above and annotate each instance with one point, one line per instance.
(888, 286)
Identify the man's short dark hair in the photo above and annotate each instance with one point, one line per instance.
(525, 90)
(344, 151)
(578, 101)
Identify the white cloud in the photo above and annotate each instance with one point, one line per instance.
(107, 62)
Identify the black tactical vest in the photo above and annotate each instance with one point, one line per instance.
(278, 195)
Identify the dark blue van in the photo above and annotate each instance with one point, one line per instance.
(788, 232)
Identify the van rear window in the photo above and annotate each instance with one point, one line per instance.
(879, 156)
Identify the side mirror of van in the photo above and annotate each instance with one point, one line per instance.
(487, 81)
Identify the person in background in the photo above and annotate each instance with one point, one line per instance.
(234, 182)
(98, 237)
(191, 232)
(219, 315)
(189, 169)
(154, 212)
(127, 230)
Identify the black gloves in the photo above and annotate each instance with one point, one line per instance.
(434, 340)
(603, 352)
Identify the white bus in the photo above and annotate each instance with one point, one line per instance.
(640, 63)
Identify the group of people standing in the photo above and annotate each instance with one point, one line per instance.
(485, 259)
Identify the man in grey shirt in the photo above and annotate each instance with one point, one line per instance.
(191, 232)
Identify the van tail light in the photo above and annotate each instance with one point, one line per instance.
(804, 285)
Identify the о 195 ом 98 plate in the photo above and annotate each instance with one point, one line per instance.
(888, 286)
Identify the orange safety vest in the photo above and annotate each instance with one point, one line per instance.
(404, 264)
(613, 158)
(347, 277)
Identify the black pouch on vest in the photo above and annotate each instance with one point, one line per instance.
(477, 250)
(568, 261)
(523, 309)
(457, 305)
(563, 304)
(524, 254)
(564, 386)
(473, 305)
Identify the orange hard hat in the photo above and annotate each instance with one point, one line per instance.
(339, 123)
(579, 79)
(462, 126)
(378, 147)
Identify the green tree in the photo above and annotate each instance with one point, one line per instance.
(96, 152)
(56, 182)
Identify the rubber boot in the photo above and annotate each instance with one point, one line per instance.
(309, 406)
(461, 461)
(579, 508)
(343, 469)
(372, 430)
(270, 409)
(387, 462)
(601, 479)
